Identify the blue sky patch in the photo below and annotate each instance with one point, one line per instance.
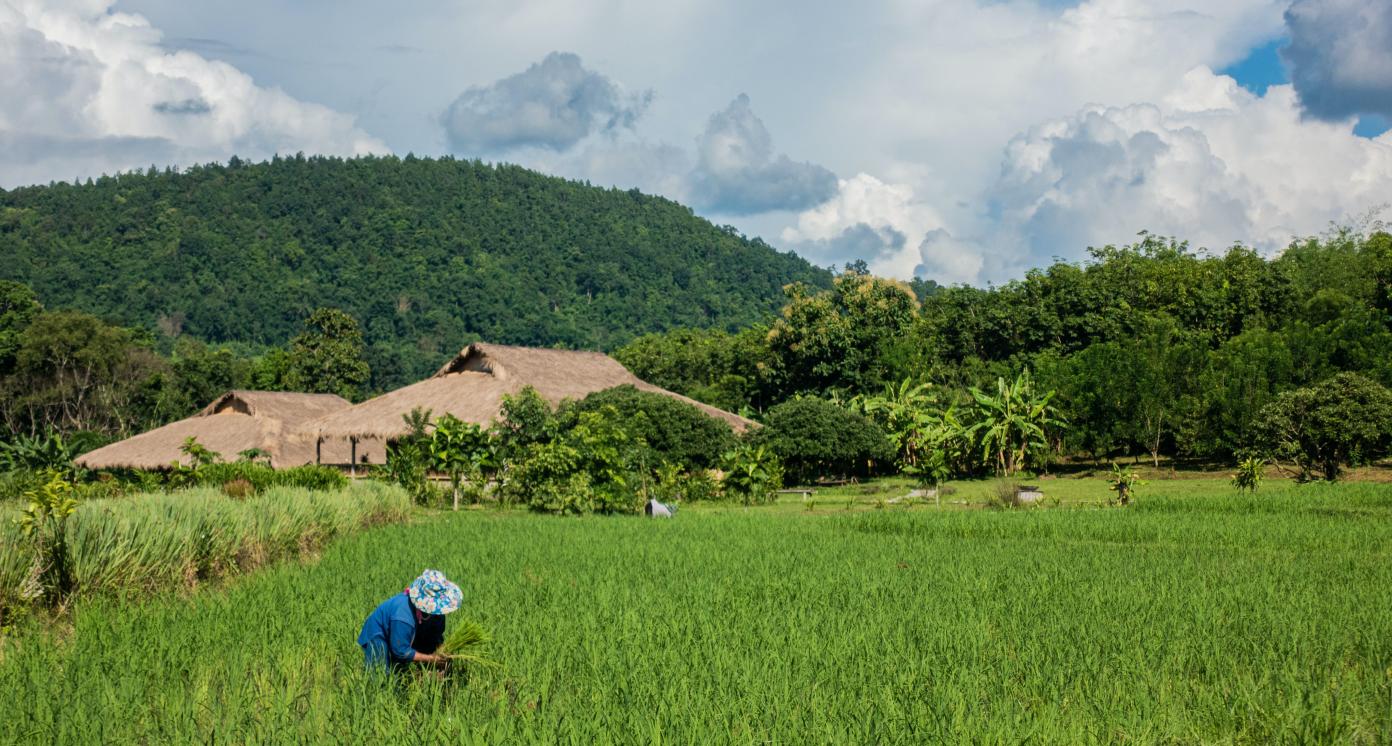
(1372, 125)
(1261, 68)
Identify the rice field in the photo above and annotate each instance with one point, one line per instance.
(1196, 616)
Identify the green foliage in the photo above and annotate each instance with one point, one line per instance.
(408, 466)
(18, 307)
(198, 454)
(44, 523)
(262, 477)
(1124, 483)
(255, 455)
(589, 462)
(466, 645)
(752, 473)
(930, 440)
(727, 370)
(547, 478)
(327, 357)
(815, 438)
(460, 450)
(1250, 472)
(51, 451)
(1345, 419)
(525, 419)
(673, 431)
(1013, 425)
(844, 338)
(427, 254)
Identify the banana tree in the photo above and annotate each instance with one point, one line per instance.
(456, 449)
(753, 472)
(1012, 425)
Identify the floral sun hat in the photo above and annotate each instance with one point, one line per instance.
(433, 593)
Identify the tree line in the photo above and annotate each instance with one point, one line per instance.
(1151, 348)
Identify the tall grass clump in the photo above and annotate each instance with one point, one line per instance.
(19, 572)
(148, 543)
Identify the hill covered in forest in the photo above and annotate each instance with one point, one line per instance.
(427, 254)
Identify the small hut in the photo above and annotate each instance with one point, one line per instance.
(237, 421)
(472, 386)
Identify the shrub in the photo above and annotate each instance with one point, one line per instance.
(673, 430)
(815, 438)
(1249, 474)
(407, 467)
(1124, 484)
(262, 477)
(525, 419)
(1345, 419)
(587, 467)
(45, 524)
(547, 478)
(752, 473)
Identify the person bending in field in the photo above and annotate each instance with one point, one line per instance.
(408, 627)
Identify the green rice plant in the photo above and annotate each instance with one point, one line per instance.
(1208, 617)
(466, 645)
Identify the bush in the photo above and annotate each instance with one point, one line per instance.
(1345, 419)
(262, 477)
(752, 473)
(816, 438)
(547, 477)
(587, 467)
(675, 432)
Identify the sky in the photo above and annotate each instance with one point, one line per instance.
(964, 141)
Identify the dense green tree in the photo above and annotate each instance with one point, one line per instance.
(672, 431)
(18, 307)
(74, 372)
(1345, 419)
(815, 438)
(327, 357)
(843, 339)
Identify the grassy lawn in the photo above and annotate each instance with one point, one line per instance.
(1194, 616)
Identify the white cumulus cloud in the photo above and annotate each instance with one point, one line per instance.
(1212, 163)
(86, 90)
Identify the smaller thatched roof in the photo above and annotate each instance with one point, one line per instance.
(237, 421)
(472, 385)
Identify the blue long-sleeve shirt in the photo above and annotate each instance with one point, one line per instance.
(392, 634)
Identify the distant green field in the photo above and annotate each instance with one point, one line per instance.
(1194, 616)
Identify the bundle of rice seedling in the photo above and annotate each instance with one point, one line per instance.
(466, 644)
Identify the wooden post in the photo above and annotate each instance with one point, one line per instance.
(319, 450)
(353, 457)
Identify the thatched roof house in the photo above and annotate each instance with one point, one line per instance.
(237, 421)
(472, 385)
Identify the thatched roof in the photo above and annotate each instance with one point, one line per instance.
(473, 384)
(237, 421)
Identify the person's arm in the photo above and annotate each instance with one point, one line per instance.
(401, 634)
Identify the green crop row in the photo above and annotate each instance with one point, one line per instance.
(1187, 619)
(173, 541)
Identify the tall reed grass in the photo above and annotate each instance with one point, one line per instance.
(148, 543)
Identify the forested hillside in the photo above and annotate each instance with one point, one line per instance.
(426, 254)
